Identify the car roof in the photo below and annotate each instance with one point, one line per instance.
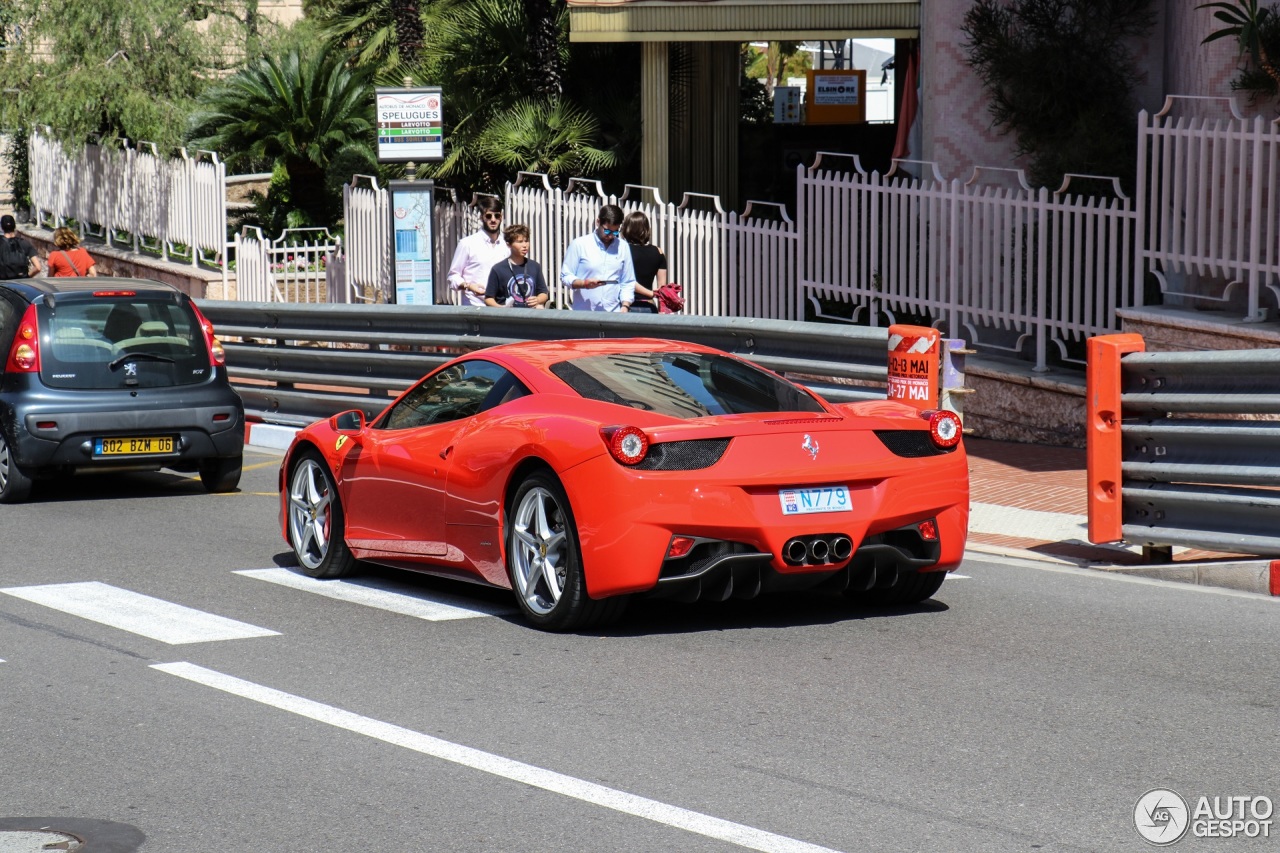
(543, 354)
(33, 288)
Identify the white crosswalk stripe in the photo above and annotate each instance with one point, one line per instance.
(137, 613)
(384, 595)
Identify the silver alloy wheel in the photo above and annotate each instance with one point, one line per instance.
(540, 555)
(310, 500)
(6, 464)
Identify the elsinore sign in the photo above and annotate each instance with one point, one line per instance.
(410, 125)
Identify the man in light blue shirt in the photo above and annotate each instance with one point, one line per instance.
(597, 267)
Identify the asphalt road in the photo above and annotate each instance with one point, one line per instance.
(1028, 708)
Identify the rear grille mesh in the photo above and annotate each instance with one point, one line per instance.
(911, 443)
(684, 455)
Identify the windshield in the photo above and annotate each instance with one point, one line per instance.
(683, 385)
(120, 343)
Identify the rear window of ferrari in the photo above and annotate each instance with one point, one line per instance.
(682, 384)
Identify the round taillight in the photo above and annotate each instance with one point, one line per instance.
(945, 428)
(24, 356)
(627, 444)
(219, 354)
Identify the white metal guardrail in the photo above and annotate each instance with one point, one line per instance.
(294, 364)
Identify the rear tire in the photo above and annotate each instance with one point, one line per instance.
(221, 474)
(544, 560)
(15, 485)
(315, 520)
(911, 589)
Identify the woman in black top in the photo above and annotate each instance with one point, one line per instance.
(649, 262)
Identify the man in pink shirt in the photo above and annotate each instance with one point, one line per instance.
(477, 253)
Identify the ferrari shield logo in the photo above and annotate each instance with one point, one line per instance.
(342, 439)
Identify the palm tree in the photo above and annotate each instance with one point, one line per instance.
(1248, 23)
(507, 106)
(387, 34)
(549, 136)
(299, 111)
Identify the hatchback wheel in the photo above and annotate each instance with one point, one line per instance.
(15, 486)
(544, 561)
(315, 520)
(221, 474)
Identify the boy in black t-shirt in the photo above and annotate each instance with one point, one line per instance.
(517, 282)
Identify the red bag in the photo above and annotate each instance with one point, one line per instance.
(670, 298)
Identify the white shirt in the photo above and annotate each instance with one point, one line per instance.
(588, 257)
(475, 256)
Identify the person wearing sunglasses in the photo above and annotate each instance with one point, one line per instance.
(477, 253)
(597, 267)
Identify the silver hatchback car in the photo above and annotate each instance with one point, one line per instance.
(112, 374)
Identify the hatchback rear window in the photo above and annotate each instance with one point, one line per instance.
(683, 385)
(120, 343)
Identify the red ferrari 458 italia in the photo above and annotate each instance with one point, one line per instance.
(579, 473)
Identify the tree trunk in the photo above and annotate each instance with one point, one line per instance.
(409, 32)
(544, 41)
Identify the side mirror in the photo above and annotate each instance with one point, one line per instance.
(348, 422)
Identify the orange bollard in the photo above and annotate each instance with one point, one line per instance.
(913, 365)
(1104, 443)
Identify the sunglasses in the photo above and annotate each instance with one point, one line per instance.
(610, 231)
(493, 216)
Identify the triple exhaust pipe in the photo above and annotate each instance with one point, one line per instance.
(818, 550)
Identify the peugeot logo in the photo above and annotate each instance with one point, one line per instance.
(811, 446)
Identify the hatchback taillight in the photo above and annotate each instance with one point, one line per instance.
(24, 355)
(217, 355)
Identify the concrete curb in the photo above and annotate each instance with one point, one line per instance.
(272, 436)
(1259, 576)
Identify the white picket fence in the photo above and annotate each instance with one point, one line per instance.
(991, 260)
(132, 198)
(1212, 186)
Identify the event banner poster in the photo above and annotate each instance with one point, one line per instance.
(410, 125)
(412, 241)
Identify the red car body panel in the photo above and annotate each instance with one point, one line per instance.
(433, 498)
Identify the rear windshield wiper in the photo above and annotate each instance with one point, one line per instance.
(141, 356)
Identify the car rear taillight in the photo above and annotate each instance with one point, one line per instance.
(115, 293)
(217, 355)
(628, 444)
(24, 355)
(944, 428)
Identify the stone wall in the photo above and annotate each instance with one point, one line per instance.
(196, 282)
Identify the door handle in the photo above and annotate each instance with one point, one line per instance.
(444, 454)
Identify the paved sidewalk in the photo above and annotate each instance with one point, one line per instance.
(1032, 501)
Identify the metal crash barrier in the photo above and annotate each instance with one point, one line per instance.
(1184, 447)
(294, 364)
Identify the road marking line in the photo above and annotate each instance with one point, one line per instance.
(486, 762)
(385, 595)
(137, 613)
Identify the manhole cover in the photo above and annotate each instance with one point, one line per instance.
(37, 841)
